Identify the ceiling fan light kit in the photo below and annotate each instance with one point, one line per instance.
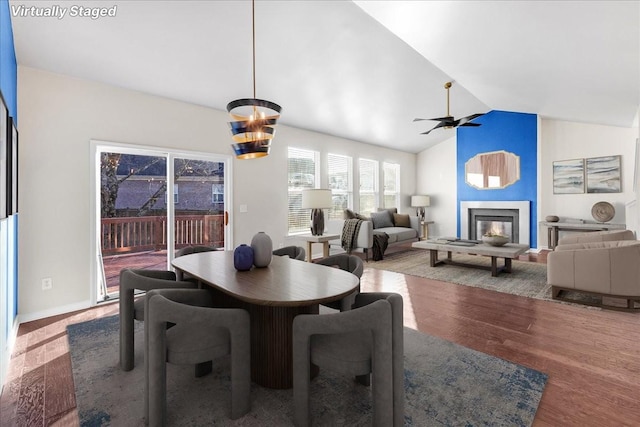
(254, 120)
(448, 121)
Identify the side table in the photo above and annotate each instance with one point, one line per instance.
(324, 239)
(425, 229)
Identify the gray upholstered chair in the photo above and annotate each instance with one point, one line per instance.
(188, 250)
(193, 250)
(294, 252)
(133, 309)
(346, 262)
(200, 334)
(366, 340)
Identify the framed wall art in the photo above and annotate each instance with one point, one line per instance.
(568, 176)
(4, 134)
(604, 174)
(12, 168)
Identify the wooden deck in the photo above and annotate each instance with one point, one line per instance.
(156, 260)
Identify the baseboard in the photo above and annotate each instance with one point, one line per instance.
(29, 317)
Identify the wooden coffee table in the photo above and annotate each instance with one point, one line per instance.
(508, 252)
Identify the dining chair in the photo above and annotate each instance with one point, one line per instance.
(294, 252)
(188, 250)
(194, 250)
(133, 309)
(346, 262)
(367, 340)
(200, 334)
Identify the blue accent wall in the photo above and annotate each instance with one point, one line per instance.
(502, 130)
(9, 240)
(8, 67)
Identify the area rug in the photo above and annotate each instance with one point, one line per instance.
(445, 385)
(527, 279)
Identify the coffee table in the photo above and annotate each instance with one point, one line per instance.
(508, 252)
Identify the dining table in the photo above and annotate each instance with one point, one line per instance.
(273, 296)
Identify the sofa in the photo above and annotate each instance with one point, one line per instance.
(400, 229)
(604, 269)
(597, 236)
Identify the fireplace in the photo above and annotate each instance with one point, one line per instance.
(496, 221)
(510, 218)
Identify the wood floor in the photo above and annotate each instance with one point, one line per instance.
(592, 357)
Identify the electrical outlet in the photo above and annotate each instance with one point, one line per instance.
(47, 283)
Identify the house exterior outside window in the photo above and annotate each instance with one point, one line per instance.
(368, 186)
(303, 173)
(391, 177)
(340, 178)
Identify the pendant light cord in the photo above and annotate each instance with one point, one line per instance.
(253, 35)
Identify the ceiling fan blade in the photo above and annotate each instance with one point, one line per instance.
(417, 120)
(470, 124)
(447, 119)
(439, 125)
(464, 120)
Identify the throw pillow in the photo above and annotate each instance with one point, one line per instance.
(391, 210)
(349, 214)
(401, 220)
(381, 219)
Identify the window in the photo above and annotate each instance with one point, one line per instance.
(217, 193)
(368, 186)
(176, 198)
(340, 170)
(391, 172)
(303, 169)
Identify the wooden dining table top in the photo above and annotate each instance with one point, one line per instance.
(284, 282)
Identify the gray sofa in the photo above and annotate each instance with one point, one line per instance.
(601, 268)
(364, 241)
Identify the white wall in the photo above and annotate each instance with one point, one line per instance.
(559, 140)
(59, 115)
(563, 140)
(436, 177)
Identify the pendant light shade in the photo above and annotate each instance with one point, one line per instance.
(254, 120)
(253, 126)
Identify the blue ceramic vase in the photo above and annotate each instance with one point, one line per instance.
(262, 249)
(243, 258)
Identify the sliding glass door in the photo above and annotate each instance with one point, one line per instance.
(149, 203)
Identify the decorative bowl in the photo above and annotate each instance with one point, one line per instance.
(552, 218)
(495, 240)
(603, 211)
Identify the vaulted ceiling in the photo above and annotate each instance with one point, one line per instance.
(360, 70)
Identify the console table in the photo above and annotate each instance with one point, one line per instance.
(554, 228)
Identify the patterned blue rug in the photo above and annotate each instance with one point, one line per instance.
(445, 385)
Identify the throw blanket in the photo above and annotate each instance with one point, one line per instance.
(350, 231)
(380, 243)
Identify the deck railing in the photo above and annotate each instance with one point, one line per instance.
(138, 234)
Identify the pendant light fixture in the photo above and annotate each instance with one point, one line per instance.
(254, 120)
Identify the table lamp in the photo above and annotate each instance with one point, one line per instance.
(316, 199)
(420, 202)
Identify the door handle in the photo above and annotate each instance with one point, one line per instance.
(226, 218)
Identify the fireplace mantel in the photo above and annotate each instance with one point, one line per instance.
(523, 208)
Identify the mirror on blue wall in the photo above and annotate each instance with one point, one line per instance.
(492, 170)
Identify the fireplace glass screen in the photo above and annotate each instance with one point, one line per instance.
(504, 228)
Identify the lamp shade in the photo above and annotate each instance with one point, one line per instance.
(420, 201)
(316, 199)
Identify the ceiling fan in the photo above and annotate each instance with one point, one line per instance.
(449, 121)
